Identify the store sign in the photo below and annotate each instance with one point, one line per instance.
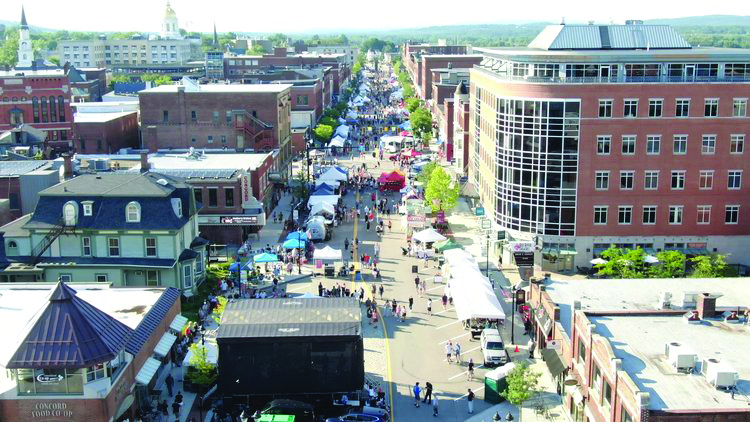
(521, 247)
(554, 344)
(246, 190)
(249, 219)
(524, 259)
(47, 410)
(501, 235)
(415, 220)
(49, 379)
(479, 211)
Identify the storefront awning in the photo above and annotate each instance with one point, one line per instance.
(177, 323)
(147, 371)
(553, 361)
(165, 343)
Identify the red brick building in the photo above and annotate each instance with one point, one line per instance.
(41, 99)
(444, 84)
(420, 60)
(105, 132)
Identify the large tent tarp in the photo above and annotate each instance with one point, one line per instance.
(474, 297)
(327, 254)
(332, 184)
(332, 174)
(343, 131)
(293, 244)
(428, 235)
(297, 235)
(323, 208)
(331, 199)
(337, 141)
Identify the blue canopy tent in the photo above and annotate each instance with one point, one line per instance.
(323, 190)
(265, 257)
(298, 235)
(293, 244)
(235, 267)
(341, 169)
(406, 125)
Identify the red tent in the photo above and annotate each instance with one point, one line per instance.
(392, 181)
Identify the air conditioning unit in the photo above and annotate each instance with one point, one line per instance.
(719, 374)
(680, 357)
(689, 299)
(665, 300)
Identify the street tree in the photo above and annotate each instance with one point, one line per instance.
(9, 49)
(421, 124)
(300, 189)
(412, 104)
(426, 173)
(709, 266)
(441, 193)
(671, 265)
(323, 132)
(523, 384)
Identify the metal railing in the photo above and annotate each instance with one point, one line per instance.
(620, 79)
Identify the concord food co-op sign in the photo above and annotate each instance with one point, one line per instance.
(49, 410)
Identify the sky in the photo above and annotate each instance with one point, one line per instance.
(295, 16)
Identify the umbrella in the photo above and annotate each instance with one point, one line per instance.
(598, 261)
(294, 244)
(298, 235)
(429, 235)
(265, 257)
(235, 267)
(650, 259)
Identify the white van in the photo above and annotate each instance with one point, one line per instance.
(493, 348)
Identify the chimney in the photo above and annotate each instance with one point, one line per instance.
(450, 65)
(68, 166)
(706, 306)
(279, 52)
(144, 162)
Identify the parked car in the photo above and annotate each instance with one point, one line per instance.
(493, 348)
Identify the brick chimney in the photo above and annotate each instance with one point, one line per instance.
(145, 166)
(706, 306)
(279, 52)
(67, 166)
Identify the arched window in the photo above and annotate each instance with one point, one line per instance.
(45, 116)
(35, 106)
(133, 212)
(52, 110)
(61, 107)
(70, 213)
(12, 248)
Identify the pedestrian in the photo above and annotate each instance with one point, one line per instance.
(176, 409)
(381, 290)
(403, 314)
(417, 390)
(368, 224)
(470, 372)
(435, 405)
(448, 351)
(531, 346)
(374, 290)
(320, 288)
(393, 307)
(416, 283)
(170, 383)
(411, 303)
(426, 260)
(429, 306)
(427, 392)
(346, 244)
(470, 400)
(397, 311)
(445, 300)
(388, 306)
(163, 408)
(457, 352)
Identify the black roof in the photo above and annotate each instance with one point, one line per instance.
(291, 317)
(155, 316)
(95, 260)
(69, 332)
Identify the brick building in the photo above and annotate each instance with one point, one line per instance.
(40, 99)
(444, 84)
(652, 355)
(239, 117)
(420, 60)
(105, 132)
(615, 134)
(461, 128)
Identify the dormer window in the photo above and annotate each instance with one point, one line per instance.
(88, 208)
(133, 212)
(12, 248)
(70, 213)
(177, 207)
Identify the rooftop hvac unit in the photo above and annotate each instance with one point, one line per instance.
(689, 299)
(102, 164)
(719, 374)
(665, 300)
(681, 357)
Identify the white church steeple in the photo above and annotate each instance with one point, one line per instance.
(25, 51)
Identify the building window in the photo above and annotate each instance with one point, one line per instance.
(600, 215)
(70, 213)
(65, 278)
(113, 245)
(628, 144)
(603, 144)
(602, 180)
(732, 214)
(302, 100)
(624, 215)
(88, 209)
(133, 212)
(706, 180)
(223, 139)
(229, 117)
(215, 117)
(13, 201)
(61, 107)
(649, 214)
(86, 246)
(45, 110)
(626, 180)
(210, 139)
(152, 278)
(708, 146)
(679, 144)
(734, 179)
(675, 214)
(198, 194)
(655, 107)
(151, 246)
(35, 108)
(606, 395)
(177, 207)
(165, 116)
(739, 108)
(631, 108)
(678, 179)
(737, 144)
(653, 144)
(52, 109)
(229, 197)
(625, 416)
(651, 180)
(101, 278)
(704, 214)
(213, 197)
(187, 274)
(581, 352)
(711, 107)
(682, 107)
(194, 116)
(199, 263)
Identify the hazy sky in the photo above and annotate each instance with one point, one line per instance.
(292, 16)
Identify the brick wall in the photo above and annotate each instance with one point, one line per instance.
(107, 137)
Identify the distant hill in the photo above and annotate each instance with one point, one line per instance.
(708, 20)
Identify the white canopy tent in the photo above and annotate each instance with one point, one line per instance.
(212, 356)
(428, 235)
(322, 208)
(332, 174)
(343, 131)
(337, 141)
(317, 199)
(474, 297)
(352, 115)
(327, 254)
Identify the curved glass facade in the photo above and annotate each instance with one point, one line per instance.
(537, 165)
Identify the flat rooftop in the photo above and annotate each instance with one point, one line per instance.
(640, 294)
(99, 117)
(20, 302)
(639, 341)
(29, 73)
(206, 161)
(219, 88)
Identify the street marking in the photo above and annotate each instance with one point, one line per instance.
(465, 351)
(475, 392)
(447, 325)
(453, 338)
(443, 311)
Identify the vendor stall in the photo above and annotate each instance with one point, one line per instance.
(392, 181)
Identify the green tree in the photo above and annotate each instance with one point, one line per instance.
(323, 133)
(300, 188)
(55, 60)
(203, 372)
(278, 40)
(156, 79)
(412, 104)
(623, 263)
(441, 193)
(329, 121)
(257, 50)
(671, 265)
(9, 49)
(426, 173)
(523, 384)
(421, 124)
(709, 266)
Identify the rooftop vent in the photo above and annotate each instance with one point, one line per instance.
(680, 357)
(162, 182)
(665, 300)
(633, 22)
(719, 374)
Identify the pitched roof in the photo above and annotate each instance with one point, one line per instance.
(115, 184)
(24, 25)
(605, 37)
(16, 168)
(68, 332)
(152, 320)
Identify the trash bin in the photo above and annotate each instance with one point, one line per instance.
(495, 383)
(357, 276)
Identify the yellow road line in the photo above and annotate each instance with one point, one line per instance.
(382, 318)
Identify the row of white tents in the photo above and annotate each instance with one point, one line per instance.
(472, 293)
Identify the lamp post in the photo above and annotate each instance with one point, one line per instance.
(487, 268)
(509, 417)
(513, 320)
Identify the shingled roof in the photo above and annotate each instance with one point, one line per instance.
(68, 332)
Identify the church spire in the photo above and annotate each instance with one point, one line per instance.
(24, 25)
(216, 36)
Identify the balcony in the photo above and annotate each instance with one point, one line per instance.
(258, 134)
(661, 79)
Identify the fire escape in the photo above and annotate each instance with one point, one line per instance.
(256, 133)
(56, 231)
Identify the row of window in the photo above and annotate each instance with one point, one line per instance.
(215, 116)
(651, 179)
(679, 144)
(603, 392)
(213, 197)
(675, 215)
(681, 107)
(132, 211)
(45, 111)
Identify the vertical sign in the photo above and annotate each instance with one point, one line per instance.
(246, 190)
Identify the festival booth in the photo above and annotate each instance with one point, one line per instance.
(329, 256)
(317, 199)
(411, 153)
(343, 131)
(337, 142)
(475, 300)
(392, 181)
(330, 184)
(325, 209)
(323, 190)
(332, 174)
(426, 237)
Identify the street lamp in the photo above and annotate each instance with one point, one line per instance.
(513, 320)
(509, 417)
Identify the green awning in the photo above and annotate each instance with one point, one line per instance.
(447, 245)
(553, 361)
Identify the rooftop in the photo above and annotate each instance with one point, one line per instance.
(99, 117)
(112, 184)
(291, 317)
(699, 55)
(218, 88)
(639, 341)
(248, 162)
(640, 294)
(35, 73)
(615, 37)
(17, 168)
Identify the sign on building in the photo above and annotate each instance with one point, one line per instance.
(247, 190)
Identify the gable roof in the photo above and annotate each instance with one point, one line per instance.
(115, 184)
(68, 332)
(152, 320)
(605, 37)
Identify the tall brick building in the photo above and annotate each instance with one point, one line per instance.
(241, 117)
